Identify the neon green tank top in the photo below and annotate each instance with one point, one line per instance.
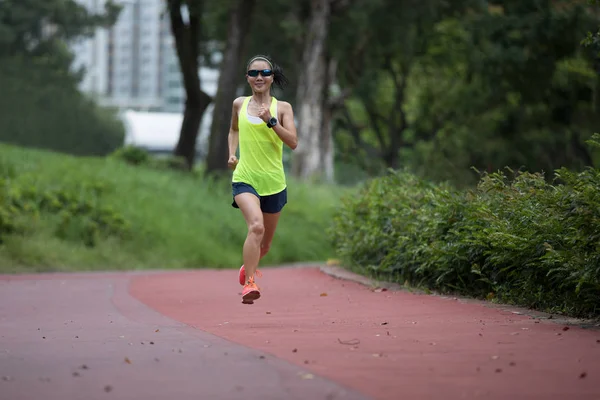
(261, 153)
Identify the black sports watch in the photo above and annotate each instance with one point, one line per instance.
(272, 122)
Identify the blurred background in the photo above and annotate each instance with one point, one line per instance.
(114, 114)
(438, 87)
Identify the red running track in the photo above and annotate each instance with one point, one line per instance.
(309, 337)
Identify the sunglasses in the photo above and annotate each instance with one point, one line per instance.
(264, 72)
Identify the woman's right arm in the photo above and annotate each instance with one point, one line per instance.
(234, 134)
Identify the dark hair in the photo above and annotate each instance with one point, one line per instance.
(279, 78)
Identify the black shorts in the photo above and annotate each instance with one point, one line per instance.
(271, 204)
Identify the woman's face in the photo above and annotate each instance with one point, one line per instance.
(260, 83)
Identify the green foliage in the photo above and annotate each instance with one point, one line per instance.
(138, 156)
(40, 102)
(41, 107)
(592, 39)
(458, 85)
(35, 27)
(515, 238)
(132, 154)
(77, 211)
(140, 216)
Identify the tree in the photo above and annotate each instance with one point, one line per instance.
(187, 35)
(593, 39)
(240, 16)
(376, 61)
(40, 100)
(314, 157)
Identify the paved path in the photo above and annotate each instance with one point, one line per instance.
(186, 335)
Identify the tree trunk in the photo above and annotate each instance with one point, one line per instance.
(327, 149)
(187, 41)
(314, 142)
(239, 24)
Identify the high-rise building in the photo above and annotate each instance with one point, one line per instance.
(133, 65)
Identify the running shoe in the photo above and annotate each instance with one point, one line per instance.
(242, 276)
(250, 293)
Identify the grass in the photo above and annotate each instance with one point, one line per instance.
(178, 220)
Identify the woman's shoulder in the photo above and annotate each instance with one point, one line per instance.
(284, 105)
(238, 102)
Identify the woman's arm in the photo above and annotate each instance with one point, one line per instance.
(286, 127)
(234, 134)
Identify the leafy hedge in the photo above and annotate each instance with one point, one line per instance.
(518, 240)
(77, 211)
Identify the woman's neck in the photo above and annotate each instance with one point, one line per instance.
(261, 98)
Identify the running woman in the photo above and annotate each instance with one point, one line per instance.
(260, 125)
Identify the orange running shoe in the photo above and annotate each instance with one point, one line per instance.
(250, 293)
(242, 276)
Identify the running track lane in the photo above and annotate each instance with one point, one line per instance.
(83, 337)
(387, 345)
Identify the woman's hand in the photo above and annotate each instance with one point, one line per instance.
(264, 113)
(232, 162)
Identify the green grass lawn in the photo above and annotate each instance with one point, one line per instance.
(177, 220)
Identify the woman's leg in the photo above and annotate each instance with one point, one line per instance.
(270, 222)
(249, 204)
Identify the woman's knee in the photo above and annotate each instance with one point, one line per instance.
(257, 228)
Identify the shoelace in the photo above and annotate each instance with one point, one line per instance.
(252, 284)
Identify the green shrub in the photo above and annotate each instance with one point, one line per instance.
(516, 239)
(78, 210)
(132, 155)
(140, 157)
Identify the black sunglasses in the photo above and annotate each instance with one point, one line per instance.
(264, 72)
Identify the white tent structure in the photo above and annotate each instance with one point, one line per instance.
(158, 132)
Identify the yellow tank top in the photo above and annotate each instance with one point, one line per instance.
(261, 153)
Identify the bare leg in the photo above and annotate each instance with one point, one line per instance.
(270, 222)
(250, 207)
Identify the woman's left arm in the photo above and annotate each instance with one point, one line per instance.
(286, 127)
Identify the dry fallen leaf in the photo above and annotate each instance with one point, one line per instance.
(268, 312)
(379, 290)
(157, 330)
(323, 294)
(566, 328)
(352, 342)
(127, 360)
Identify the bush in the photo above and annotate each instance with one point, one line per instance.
(516, 239)
(78, 211)
(138, 156)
